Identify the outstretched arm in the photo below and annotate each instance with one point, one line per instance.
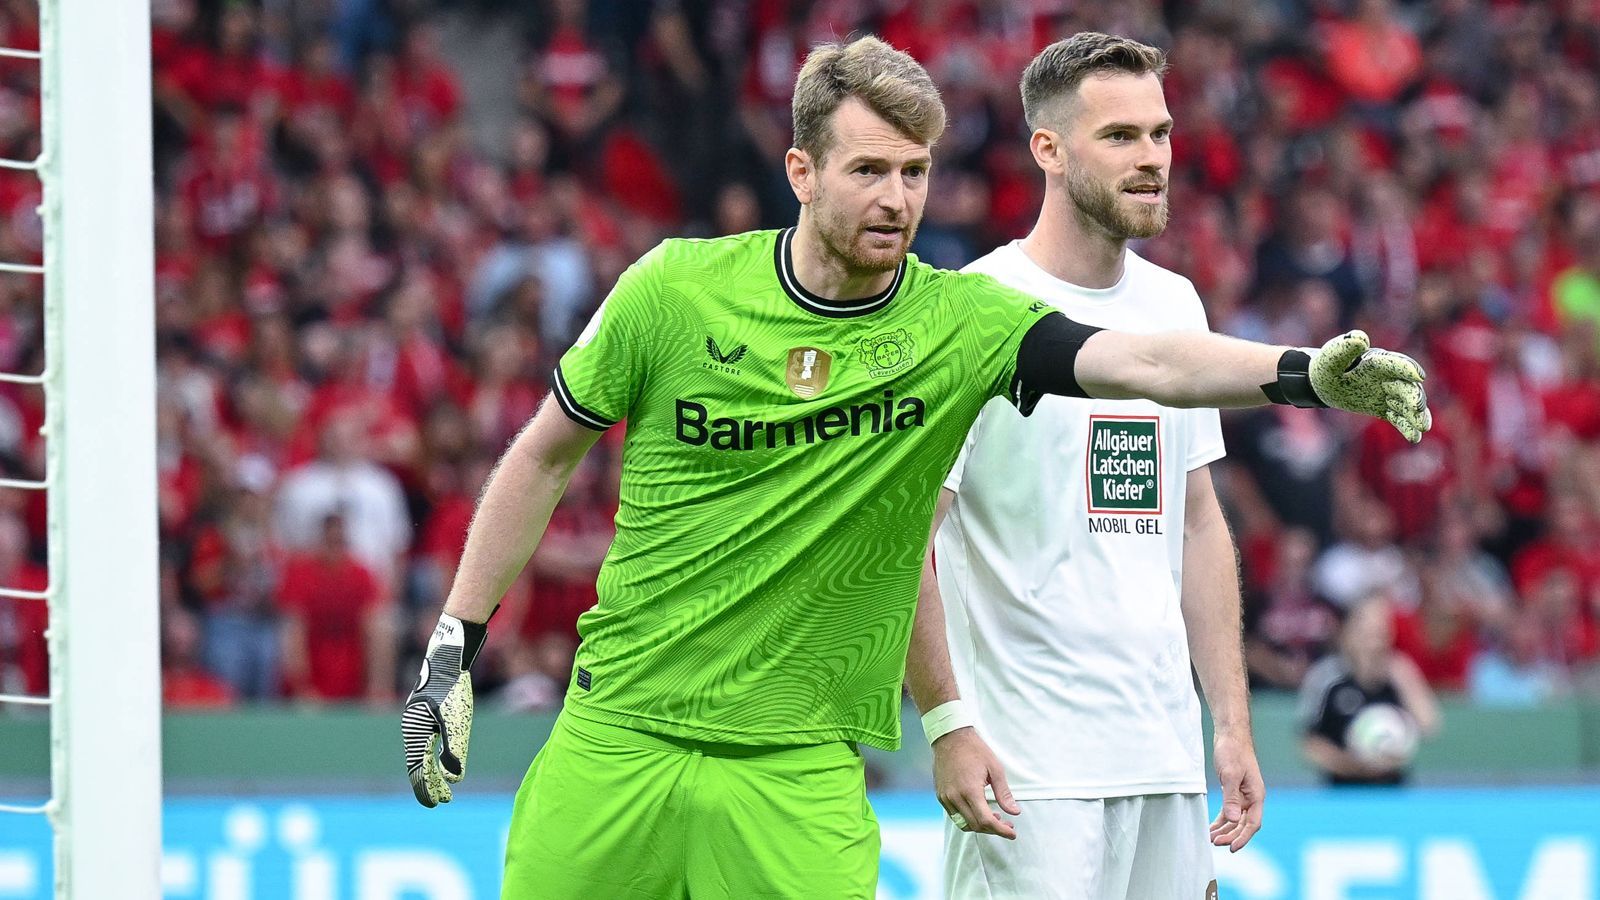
(1178, 368)
(1192, 368)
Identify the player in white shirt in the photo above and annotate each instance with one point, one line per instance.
(1084, 562)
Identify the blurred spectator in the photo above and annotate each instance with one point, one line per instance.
(185, 683)
(1371, 55)
(1292, 456)
(1569, 546)
(1518, 671)
(1368, 562)
(233, 574)
(1566, 631)
(1411, 480)
(1365, 672)
(1286, 626)
(343, 481)
(559, 262)
(572, 82)
(337, 631)
(1441, 635)
(1309, 245)
(1467, 571)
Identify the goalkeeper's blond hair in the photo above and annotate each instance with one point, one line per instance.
(888, 81)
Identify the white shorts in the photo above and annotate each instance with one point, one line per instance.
(1153, 847)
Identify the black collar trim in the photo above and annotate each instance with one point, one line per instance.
(783, 261)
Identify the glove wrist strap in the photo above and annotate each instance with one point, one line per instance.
(1293, 387)
(473, 634)
(470, 635)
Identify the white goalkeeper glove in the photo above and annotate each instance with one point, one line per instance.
(437, 722)
(1349, 373)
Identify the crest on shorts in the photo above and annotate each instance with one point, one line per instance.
(888, 353)
(807, 371)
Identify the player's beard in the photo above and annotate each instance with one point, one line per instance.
(841, 238)
(1101, 205)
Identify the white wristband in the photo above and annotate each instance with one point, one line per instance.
(945, 718)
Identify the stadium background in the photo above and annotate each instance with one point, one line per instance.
(379, 222)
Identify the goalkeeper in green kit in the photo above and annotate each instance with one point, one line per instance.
(794, 399)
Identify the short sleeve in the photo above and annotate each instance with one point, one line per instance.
(599, 378)
(1205, 424)
(1205, 438)
(952, 481)
(1001, 317)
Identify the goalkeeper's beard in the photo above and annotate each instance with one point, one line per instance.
(841, 239)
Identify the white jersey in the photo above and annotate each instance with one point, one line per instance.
(1061, 559)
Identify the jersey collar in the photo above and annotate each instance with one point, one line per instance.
(783, 260)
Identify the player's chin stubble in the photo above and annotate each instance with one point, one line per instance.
(842, 238)
(1100, 204)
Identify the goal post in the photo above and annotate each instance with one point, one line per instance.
(97, 175)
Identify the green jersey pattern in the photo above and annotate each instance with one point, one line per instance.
(781, 464)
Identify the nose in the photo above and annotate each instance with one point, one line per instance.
(892, 197)
(1154, 158)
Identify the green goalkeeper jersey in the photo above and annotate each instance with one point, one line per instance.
(779, 473)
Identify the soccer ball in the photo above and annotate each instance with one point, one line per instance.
(1382, 734)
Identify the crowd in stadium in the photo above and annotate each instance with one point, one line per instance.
(360, 296)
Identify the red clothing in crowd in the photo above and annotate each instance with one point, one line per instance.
(1372, 63)
(1534, 562)
(559, 601)
(428, 91)
(1462, 359)
(445, 533)
(1574, 406)
(194, 688)
(1410, 479)
(1443, 658)
(308, 93)
(229, 189)
(333, 597)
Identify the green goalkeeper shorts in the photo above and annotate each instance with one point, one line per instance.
(608, 812)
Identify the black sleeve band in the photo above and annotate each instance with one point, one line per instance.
(1293, 386)
(1047, 360)
(569, 404)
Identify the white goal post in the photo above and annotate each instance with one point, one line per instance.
(100, 352)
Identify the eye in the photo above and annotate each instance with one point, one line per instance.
(1120, 136)
(865, 169)
(916, 171)
(1162, 134)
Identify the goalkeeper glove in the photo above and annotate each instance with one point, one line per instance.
(437, 722)
(1348, 373)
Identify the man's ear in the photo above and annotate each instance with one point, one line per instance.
(1049, 153)
(802, 175)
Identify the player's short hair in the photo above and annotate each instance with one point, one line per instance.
(1054, 75)
(888, 81)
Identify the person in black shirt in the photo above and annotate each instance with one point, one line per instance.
(1366, 671)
